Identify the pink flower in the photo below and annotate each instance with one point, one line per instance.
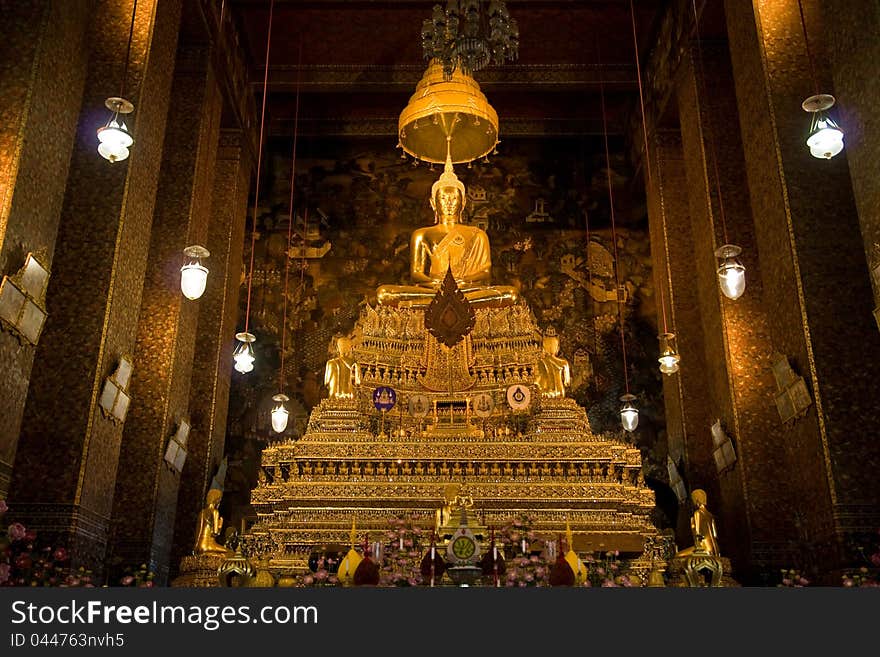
(16, 531)
(23, 561)
(321, 575)
(847, 582)
(4, 571)
(3, 507)
(875, 559)
(60, 554)
(127, 580)
(308, 580)
(147, 585)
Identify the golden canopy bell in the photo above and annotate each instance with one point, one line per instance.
(442, 108)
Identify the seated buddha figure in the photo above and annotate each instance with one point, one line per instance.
(448, 243)
(553, 372)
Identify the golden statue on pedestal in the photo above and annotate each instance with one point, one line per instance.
(553, 372)
(703, 529)
(210, 524)
(448, 243)
(342, 373)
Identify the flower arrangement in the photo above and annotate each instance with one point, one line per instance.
(865, 576)
(24, 563)
(402, 554)
(142, 577)
(320, 577)
(604, 571)
(792, 578)
(526, 565)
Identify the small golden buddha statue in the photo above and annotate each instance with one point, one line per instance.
(553, 372)
(342, 372)
(448, 243)
(703, 529)
(210, 524)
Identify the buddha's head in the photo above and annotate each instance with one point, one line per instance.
(448, 195)
(214, 496)
(698, 496)
(343, 346)
(551, 341)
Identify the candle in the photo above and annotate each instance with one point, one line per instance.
(523, 544)
(401, 542)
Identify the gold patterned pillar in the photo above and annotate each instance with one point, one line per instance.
(42, 71)
(146, 494)
(852, 28)
(218, 314)
(738, 346)
(66, 466)
(817, 297)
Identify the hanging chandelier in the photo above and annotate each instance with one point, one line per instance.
(469, 36)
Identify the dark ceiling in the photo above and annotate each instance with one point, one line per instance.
(361, 60)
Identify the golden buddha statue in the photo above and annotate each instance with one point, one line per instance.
(342, 372)
(210, 524)
(553, 372)
(703, 529)
(448, 243)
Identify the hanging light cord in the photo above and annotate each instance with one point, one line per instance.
(128, 48)
(290, 223)
(247, 315)
(701, 86)
(632, 13)
(809, 51)
(613, 222)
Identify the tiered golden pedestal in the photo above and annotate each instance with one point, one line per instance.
(355, 463)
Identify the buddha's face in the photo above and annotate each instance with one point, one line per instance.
(343, 345)
(448, 202)
(551, 345)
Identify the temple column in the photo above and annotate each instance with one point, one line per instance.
(218, 316)
(852, 28)
(42, 72)
(818, 304)
(738, 346)
(68, 451)
(687, 394)
(146, 496)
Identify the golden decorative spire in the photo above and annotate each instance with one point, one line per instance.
(448, 177)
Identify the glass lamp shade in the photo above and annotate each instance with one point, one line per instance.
(629, 414)
(114, 139)
(731, 272)
(826, 138)
(193, 279)
(244, 352)
(280, 413)
(194, 275)
(826, 141)
(669, 357)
